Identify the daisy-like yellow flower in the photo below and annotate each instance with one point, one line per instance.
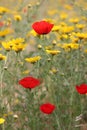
(63, 24)
(81, 35)
(80, 26)
(2, 120)
(3, 10)
(32, 33)
(69, 46)
(7, 46)
(63, 16)
(56, 28)
(49, 47)
(5, 32)
(19, 47)
(53, 52)
(67, 29)
(17, 41)
(17, 17)
(64, 36)
(50, 20)
(2, 57)
(75, 46)
(33, 59)
(74, 20)
(74, 39)
(14, 44)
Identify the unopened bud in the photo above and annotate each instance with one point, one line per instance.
(29, 5)
(54, 42)
(38, 3)
(5, 67)
(15, 116)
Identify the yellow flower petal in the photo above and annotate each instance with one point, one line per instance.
(53, 52)
(2, 120)
(33, 59)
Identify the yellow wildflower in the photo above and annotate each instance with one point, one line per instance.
(59, 44)
(75, 46)
(74, 20)
(62, 24)
(81, 35)
(2, 57)
(80, 26)
(49, 47)
(69, 46)
(26, 72)
(53, 70)
(50, 20)
(7, 46)
(33, 59)
(53, 52)
(56, 28)
(15, 44)
(52, 12)
(2, 120)
(17, 17)
(68, 7)
(63, 16)
(64, 36)
(5, 32)
(19, 47)
(17, 41)
(3, 10)
(74, 39)
(67, 29)
(8, 114)
(32, 33)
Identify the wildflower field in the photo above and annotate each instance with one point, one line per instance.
(43, 65)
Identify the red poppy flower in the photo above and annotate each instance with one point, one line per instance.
(47, 108)
(29, 82)
(82, 89)
(1, 24)
(42, 27)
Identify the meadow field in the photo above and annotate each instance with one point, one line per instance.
(43, 64)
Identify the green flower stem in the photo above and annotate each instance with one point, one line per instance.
(3, 126)
(2, 71)
(57, 121)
